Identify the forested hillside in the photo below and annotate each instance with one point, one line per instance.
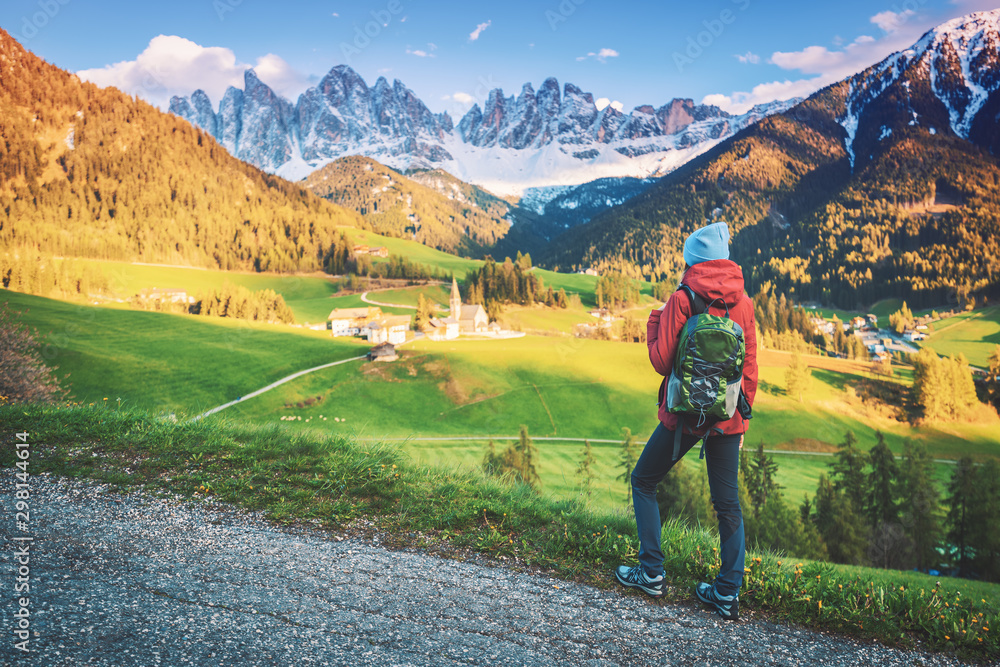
(439, 211)
(95, 173)
(881, 185)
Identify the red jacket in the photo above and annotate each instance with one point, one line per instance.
(716, 279)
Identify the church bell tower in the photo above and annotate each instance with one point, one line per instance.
(456, 301)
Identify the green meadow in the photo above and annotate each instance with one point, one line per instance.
(312, 296)
(175, 363)
(974, 334)
(557, 385)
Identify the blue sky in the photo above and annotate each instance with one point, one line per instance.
(729, 52)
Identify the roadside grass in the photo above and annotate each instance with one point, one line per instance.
(974, 334)
(337, 483)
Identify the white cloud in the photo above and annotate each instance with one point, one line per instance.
(336, 15)
(281, 77)
(461, 98)
(474, 35)
(863, 52)
(428, 53)
(748, 57)
(890, 21)
(741, 102)
(460, 102)
(823, 66)
(602, 102)
(601, 55)
(172, 65)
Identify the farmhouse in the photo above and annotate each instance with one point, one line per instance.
(383, 352)
(351, 321)
(377, 251)
(442, 328)
(391, 329)
(164, 295)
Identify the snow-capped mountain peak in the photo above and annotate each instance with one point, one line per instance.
(957, 64)
(543, 137)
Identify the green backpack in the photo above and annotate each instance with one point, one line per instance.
(707, 377)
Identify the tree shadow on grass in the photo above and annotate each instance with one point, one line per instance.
(836, 380)
(772, 389)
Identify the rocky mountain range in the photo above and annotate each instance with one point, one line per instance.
(555, 136)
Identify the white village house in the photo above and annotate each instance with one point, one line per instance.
(351, 321)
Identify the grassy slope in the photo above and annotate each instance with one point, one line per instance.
(179, 363)
(557, 386)
(974, 334)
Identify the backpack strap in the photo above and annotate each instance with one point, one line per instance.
(699, 303)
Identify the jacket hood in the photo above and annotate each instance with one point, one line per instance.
(716, 279)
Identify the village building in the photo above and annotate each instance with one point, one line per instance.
(377, 251)
(602, 314)
(442, 328)
(471, 318)
(352, 321)
(383, 352)
(165, 295)
(391, 329)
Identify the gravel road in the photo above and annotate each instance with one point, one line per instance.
(132, 580)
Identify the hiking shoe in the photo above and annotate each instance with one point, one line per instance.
(636, 577)
(727, 606)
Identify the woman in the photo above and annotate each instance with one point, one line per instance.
(719, 282)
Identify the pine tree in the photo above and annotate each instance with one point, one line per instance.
(848, 470)
(888, 543)
(492, 461)
(919, 504)
(963, 387)
(984, 536)
(760, 473)
(841, 527)
(629, 457)
(585, 469)
(797, 377)
(684, 494)
(961, 512)
(423, 316)
(528, 454)
(881, 498)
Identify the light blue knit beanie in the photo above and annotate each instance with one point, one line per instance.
(708, 243)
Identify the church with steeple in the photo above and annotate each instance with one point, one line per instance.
(471, 318)
(462, 319)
